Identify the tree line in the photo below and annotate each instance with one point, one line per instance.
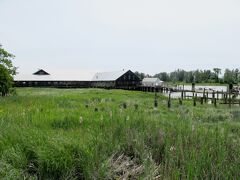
(229, 76)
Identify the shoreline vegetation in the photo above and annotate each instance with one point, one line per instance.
(48, 133)
(205, 76)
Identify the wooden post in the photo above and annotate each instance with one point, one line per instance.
(201, 100)
(194, 101)
(155, 103)
(180, 101)
(155, 99)
(230, 100)
(206, 98)
(213, 97)
(204, 94)
(169, 100)
(193, 86)
(215, 102)
(230, 88)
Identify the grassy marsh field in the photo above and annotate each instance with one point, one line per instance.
(115, 134)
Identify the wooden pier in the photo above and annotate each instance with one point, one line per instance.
(230, 97)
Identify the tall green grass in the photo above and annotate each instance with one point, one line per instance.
(115, 134)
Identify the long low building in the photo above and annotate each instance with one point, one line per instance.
(41, 78)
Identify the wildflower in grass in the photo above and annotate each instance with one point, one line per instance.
(23, 113)
(222, 131)
(81, 120)
(192, 113)
(120, 110)
(111, 114)
(101, 123)
(193, 128)
(178, 116)
(172, 149)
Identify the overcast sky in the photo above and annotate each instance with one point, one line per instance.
(107, 35)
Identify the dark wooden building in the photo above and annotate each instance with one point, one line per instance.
(118, 80)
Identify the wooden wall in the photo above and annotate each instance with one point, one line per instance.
(128, 81)
(57, 84)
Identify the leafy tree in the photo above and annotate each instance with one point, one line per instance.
(7, 71)
(228, 76)
(236, 75)
(162, 76)
(142, 75)
(217, 72)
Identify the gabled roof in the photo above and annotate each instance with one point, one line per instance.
(41, 72)
(108, 76)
